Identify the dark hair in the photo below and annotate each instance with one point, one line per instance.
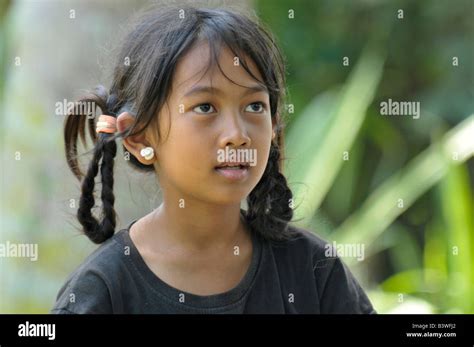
(142, 85)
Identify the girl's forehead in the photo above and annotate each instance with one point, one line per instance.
(196, 67)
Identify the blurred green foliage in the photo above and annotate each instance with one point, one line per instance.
(396, 184)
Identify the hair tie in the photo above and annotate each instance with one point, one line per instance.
(106, 124)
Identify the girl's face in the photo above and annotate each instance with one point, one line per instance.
(205, 114)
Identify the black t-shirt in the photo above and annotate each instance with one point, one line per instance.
(294, 276)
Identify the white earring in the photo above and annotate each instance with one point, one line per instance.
(147, 153)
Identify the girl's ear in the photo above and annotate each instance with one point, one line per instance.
(134, 144)
(274, 125)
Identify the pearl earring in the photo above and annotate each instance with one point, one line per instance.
(147, 153)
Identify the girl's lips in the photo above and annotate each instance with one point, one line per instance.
(233, 174)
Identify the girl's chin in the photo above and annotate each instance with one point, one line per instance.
(228, 196)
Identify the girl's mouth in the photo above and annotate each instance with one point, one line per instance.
(233, 171)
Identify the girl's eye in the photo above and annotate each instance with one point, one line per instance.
(255, 107)
(204, 109)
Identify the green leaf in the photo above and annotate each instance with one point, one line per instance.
(314, 171)
(382, 206)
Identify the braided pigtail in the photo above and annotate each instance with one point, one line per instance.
(269, 202)
(105, 149)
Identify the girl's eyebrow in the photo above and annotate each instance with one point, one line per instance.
(212, 90)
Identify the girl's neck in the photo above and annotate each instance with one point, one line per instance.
(199, 226)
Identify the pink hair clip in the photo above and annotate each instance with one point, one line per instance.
(106, 124)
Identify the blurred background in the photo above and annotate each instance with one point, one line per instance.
(399, 185)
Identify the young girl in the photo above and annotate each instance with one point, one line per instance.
(197, 97)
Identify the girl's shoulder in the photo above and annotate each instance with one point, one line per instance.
(88, 289)
(309, 251)
(106, 257)
(308, 256)
(303, 241)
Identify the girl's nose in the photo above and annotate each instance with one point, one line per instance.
(234, 133)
